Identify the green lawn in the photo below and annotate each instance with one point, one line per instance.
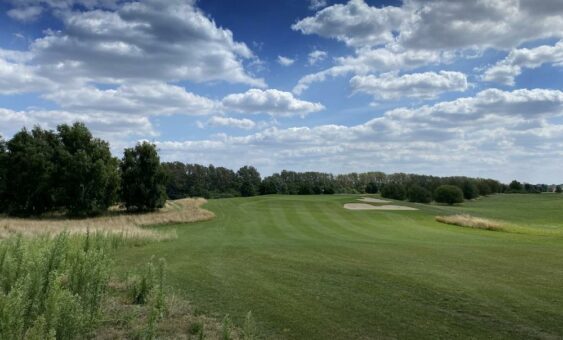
(309, 269)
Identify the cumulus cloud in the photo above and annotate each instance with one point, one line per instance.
(317, 4)
(18, 77)
(273, 102)
(506, 70)
(284, 61)
(148, 99)
(28, 13)
(231, 122)
(150, 40)
(355, 23)
(427, 85)
(473, 135)
(316, 56)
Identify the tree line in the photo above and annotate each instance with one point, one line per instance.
(69, 171)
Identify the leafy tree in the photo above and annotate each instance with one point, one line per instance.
(449, 194)
(250, 180)
(143, 179)
(371, 188)
(87, 173)
(470, 190)
(394, 191)
(3, 172)
(483, 188)
(515, 186)
(558, 189)
(31, 164)
(419, 194)
(176, 180)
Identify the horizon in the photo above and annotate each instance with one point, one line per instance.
(440, 88)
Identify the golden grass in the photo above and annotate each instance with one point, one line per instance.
(117, 221)
(472, 222)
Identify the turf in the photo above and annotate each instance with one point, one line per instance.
(309, 269)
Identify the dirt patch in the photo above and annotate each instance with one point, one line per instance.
(373, 200)
(364, 206)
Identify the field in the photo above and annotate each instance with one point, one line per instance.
(309, 269)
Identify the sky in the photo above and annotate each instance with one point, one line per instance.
(439, 87)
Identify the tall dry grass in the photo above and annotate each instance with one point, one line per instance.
(472, 222)
(117, 221)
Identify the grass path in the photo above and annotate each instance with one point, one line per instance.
(309, 269)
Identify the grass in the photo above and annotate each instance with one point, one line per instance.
(469, 221)
(309, 269)
(116, 222)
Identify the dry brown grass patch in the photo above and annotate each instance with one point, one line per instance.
(117, 221)
(472, 222)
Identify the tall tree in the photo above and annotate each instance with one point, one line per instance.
(3, 172)
(250, 180)
(87, 172)
(142, 178)
(31, 163)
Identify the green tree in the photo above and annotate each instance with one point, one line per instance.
(3, 172)
(394, 191)
(558, 189)
(371, 188)
(470, 190)
(515, 186)
(449, 194)
(143, 181)
(86, 171)
(249, 179)
(31, 188)
(419, 194)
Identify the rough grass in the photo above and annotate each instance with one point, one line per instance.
(117, 221)
(469, 221)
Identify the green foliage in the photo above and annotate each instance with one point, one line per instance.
(142, 178)
(31, 187)
(416, 193)
(558, 189)
(372, 188)
(87, 172)
(470, 190)
(515, 186)
(3, 172)
(250, 181)
(394, 191)
(226, 328)
(249, 331)
(51, 288)
(449, 194)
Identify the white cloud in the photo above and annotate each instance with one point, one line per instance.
(472, 136)
(18, 77)
(427, 85)
(271, 101)
(506, 70)
(231, 122)
(284, 61)
(29, 13)
(316, 56)
(151, 40)
(148, 99)
(317, 4)
(354, 23)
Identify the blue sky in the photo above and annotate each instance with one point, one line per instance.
(443, 87)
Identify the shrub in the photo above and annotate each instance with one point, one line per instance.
(419, 194)
(394, 191)
(449, 194)
(142, 178)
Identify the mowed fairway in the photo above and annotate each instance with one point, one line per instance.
(309, 269)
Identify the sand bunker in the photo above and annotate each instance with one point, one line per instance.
(373, 200)
(363, 206)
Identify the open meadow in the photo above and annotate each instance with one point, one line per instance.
(307, 268)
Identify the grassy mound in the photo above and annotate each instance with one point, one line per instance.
(469, 221)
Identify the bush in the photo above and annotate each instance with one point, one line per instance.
(419, 194)
(142, 178)
(394, 191)
(371, 188)
(449, 194)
